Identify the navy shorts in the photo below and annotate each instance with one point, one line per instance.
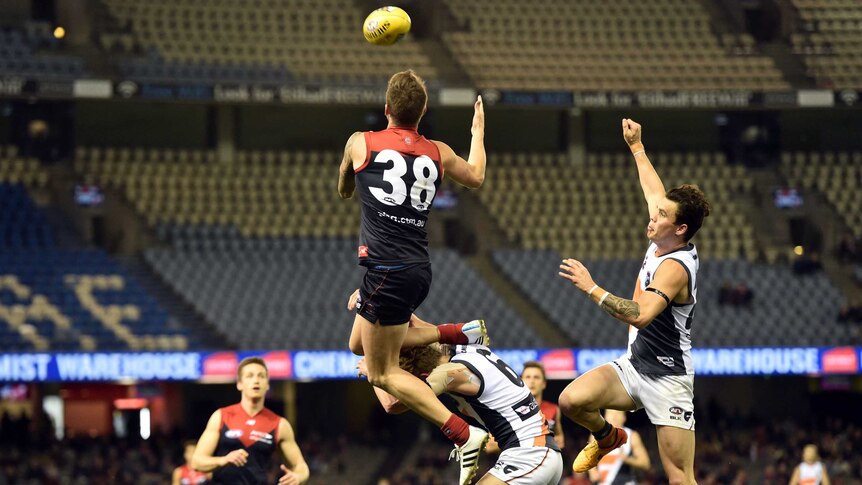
(390, 295)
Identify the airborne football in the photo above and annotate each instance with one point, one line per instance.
(386, 26)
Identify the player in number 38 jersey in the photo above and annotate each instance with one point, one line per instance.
(396, 185)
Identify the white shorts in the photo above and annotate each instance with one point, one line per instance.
(668, 400)
(535, 465)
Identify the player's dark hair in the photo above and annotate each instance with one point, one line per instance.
(250, 360)
(691, 207)
(532, 364)
(406, 96)
(420, 361)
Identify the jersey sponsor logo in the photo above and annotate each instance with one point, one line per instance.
(363, 251)
(233, 434)
(250, 422)
(403, 220)
(665, 360)
(526, 408)
(261, 436)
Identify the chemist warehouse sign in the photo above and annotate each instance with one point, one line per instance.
(314, 365)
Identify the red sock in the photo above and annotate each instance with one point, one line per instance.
(608, 440)
(450, 333)
(456, 429)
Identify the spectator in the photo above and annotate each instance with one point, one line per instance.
(805, 265)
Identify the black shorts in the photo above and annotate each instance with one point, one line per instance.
(390, 296)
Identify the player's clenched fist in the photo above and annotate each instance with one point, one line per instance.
(631, 131)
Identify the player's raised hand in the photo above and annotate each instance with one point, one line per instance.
(236, 458)
(574, 271)
(289, 478)
(353, 300)
(478, 128)
(631, 131)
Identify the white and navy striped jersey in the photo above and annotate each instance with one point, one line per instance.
(504, 405)
(810, 473)
(664, 346)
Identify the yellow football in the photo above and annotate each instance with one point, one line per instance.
(386, 25)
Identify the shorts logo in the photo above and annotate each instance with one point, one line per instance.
(233, 433)
(678, 414)
(363, 251)
(505, 468)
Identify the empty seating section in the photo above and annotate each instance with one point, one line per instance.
(70, 300)
(596, 209)
(65, 300)
(21, 221)
(595, 45)
(20, 56)
(787, 309)
(837, 176)
(313, 40)
(829, 39)
(260, 195)
(294, 295)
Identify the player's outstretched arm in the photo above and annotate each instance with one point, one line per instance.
(296, 471)
(669, 280)
(651, 184)
(203, 459)
(354, 150)
(471, 172)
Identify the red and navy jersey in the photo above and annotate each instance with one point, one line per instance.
(190, 476)
(258, 435)
(396, 185)
(549, 409)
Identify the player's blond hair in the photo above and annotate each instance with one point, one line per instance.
(420, 361)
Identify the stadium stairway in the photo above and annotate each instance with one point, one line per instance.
(182, 314)
(499, 282)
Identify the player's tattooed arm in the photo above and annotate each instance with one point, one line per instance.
(346, 172)
(620, 308)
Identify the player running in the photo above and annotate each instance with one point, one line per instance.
(239, 440)
(811, 471)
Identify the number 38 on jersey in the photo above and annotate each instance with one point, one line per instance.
(419, 175)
